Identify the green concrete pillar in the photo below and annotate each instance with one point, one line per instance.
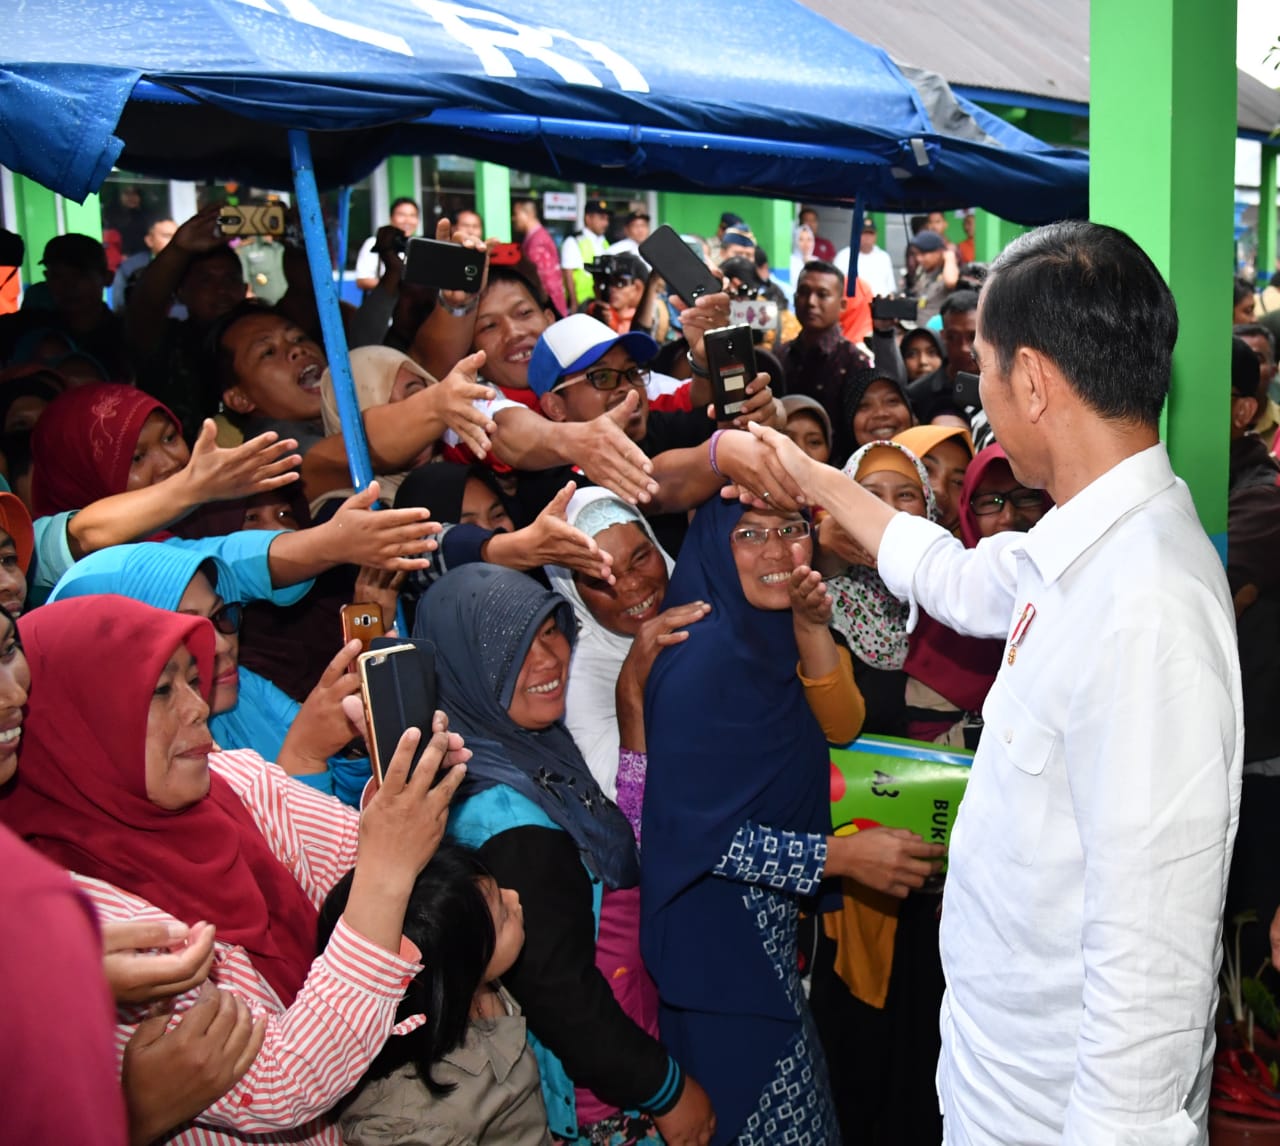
(773, 220)
(83, 218)
(402, 179)
(1161, 168)
(1267, 216)
(988, 235)
(38, 222)
(493, 200)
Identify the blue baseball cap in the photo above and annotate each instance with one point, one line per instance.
(574, 343)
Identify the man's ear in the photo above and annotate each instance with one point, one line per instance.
(553, 406)
(1034, 377)
(237, 400)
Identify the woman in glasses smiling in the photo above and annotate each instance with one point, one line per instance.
(246, 710)
(737, 821)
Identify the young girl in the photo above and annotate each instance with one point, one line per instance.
(465, 1076)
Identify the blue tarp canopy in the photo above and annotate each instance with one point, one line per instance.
(758, 97)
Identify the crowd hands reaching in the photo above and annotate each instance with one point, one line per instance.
(276, 927)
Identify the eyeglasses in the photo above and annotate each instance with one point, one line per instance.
(759, 535)
(986, 504)
(227, 618)
(606, 378)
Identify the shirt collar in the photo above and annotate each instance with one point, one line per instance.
(1066, 531)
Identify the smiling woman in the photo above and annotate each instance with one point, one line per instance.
(118, 781)
(544, 828)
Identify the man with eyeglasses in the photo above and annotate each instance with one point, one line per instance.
(1082, 934)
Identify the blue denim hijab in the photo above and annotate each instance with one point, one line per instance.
(483, 620)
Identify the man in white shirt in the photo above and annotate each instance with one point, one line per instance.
(1081, 933)
(583, 248)
(875, 267)
(369, 268)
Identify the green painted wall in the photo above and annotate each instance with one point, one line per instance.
(771, 220)
(1171, 188)
(83, 218)
(493, 200)
(402, 180)
(1267, 214)
(38, 222)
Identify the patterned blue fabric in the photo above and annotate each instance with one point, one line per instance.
(795, 1106)
(786, 861)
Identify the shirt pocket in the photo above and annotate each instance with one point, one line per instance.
(1018, 745)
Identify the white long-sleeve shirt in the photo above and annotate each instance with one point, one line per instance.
(1081, 932)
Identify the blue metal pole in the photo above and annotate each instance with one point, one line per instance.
(335, 341)
(344, 221)
(855, 242)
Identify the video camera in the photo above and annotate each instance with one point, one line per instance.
(614, 270)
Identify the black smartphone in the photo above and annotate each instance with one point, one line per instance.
(731, 361)
(445, 266)
(685, 274)
(965, 390)
(398, 687)
(898, 309)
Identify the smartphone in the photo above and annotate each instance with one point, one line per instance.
(445, 266)
(685, 274)
(731, 361)
(965, 390)
(757, 313)
(362, 622)
(240, 222)
(398, 687)
(899, 309)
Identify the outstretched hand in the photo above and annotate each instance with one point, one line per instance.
(610, 458)
(386, 538)
(551, 540)
(216, 473)
(455, 396)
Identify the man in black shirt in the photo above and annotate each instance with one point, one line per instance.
(820, 359)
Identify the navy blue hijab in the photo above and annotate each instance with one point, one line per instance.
(731, 740)
(483, 620)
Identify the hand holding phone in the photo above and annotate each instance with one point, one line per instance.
(895, 308)
(686, 275)
(398, 687)
(731, 362)
(362, 621)
(445, 266)
(965, 391)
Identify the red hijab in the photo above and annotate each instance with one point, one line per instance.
(80, 796)
(82, 446)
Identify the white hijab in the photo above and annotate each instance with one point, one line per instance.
(591, 712)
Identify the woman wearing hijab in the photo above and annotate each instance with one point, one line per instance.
(737, 828)
(808, 425)
(948, 674)
(876, 407)
(877, 977)
(96, 442)
(946, 452)
(119, 783)
(544, 828)
(870, 619)
(621, 629)
(248, 711)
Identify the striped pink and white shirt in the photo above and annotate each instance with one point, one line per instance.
(316, 1050)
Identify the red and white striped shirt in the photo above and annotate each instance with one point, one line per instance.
(316, 1050)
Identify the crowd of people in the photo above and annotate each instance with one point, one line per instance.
(608, 906)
